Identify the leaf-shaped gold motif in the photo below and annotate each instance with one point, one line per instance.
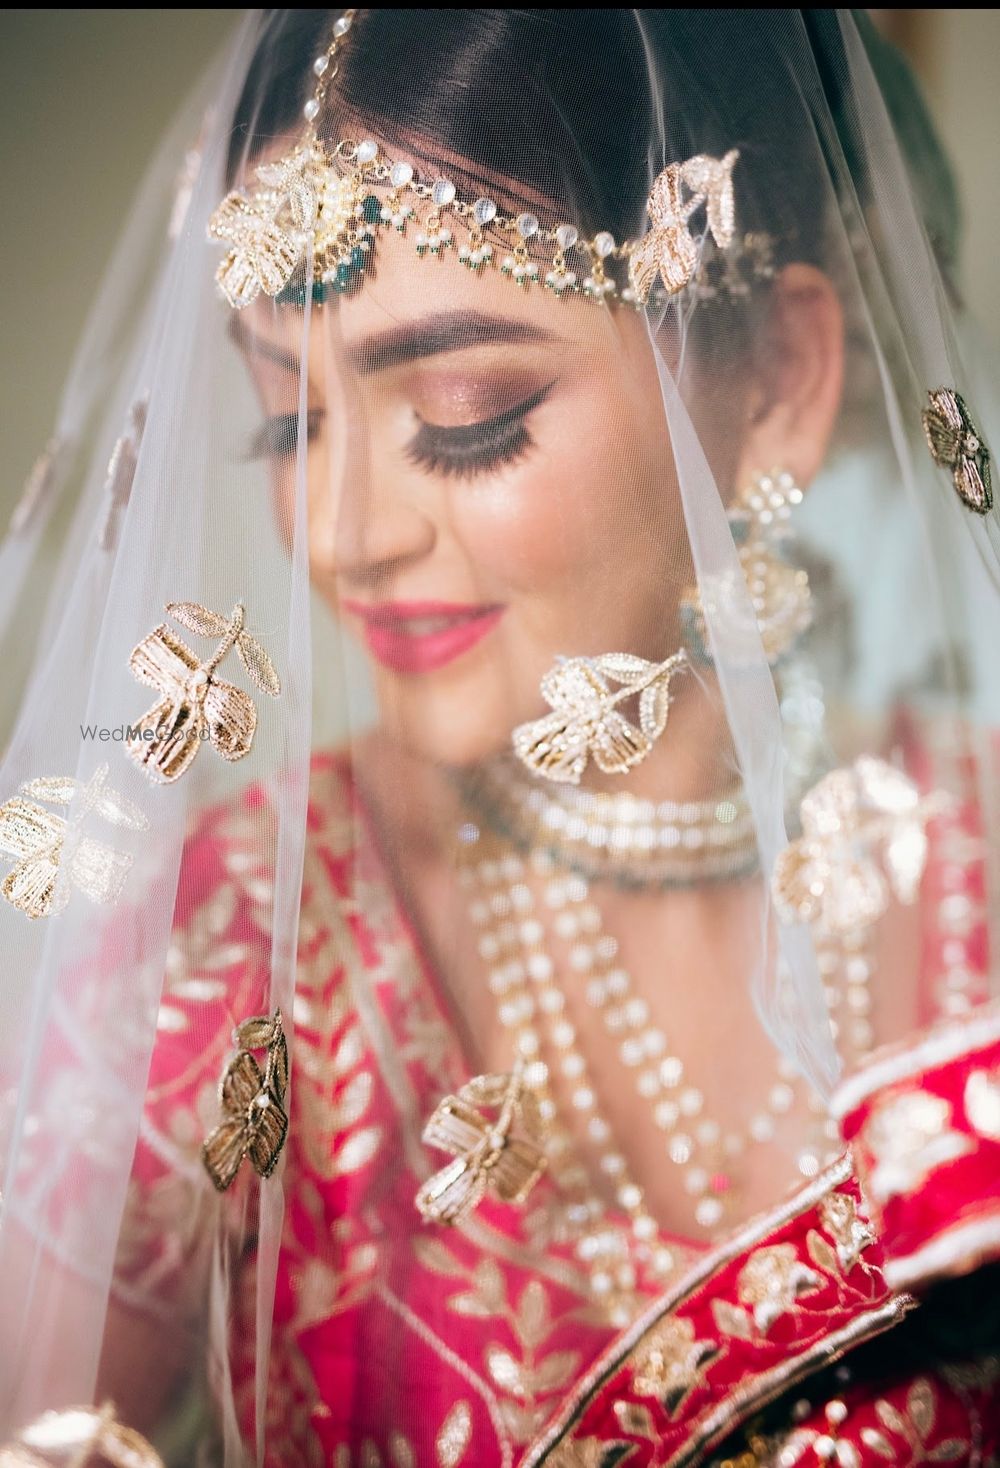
(241, 1082)
(269, 1132)
(472, 1305)
(820, 1253)
(166, 740)
(197, 618)
(354, 1100)
(711, 181)
(636, 1419)
(26, 828)
(921, 1407)
(31, 886)
(162, 661)
(401, 1452)
(643, 266)
(490, 1283)
(731, 1320)
(56, 789)
(223, 1152)
(435, 1256)
(231, 717)
(257, 1032)
(950, 1450)
(358, 1150)
(533, 1320)
(875, 1440)
(507, 1372)
(554, 1371)
(891, 1418)
(98, 871)
(258, 665)
(453, 1436)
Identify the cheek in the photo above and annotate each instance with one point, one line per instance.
(595, 492)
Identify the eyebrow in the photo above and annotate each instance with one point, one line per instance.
(446, 331)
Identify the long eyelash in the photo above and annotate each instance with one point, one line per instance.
(277, 436)
(476, 448)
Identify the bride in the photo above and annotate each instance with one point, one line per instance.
(558, 1028)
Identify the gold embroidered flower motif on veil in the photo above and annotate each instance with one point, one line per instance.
(957, 444)
(79, 1436)
(505, 1152)
(196, 704)
(585, 720)
(52, 855)
(255, 1122)
(268, 232)
(669, 249)
(831, 876)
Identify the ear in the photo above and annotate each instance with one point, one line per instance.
(799, 371)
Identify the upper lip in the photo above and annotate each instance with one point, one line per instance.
(404, 611)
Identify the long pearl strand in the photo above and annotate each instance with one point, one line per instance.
(531, 1006)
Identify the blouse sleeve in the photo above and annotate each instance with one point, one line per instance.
(923, 1121)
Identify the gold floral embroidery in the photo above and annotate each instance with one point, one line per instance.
(830, 877)
(590, 1452)
(982, 1102)
(453, 1436)
(256, 1123)
(79, 1435)
(672, 1363)
(914, 1426)
(505, 1152)
(851, 1233)
(196, 705)
(52, 856)
(771, 1282)
(669, 249)
(909, 1135)
(956, 444)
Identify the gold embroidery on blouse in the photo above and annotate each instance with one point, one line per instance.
(453, 1436)
(771, 1282)
(506, 1152)
(910, 1135)
(982, 1102)
(196, 705)
(256, 1123)
(672, 1363)
(851, 1233)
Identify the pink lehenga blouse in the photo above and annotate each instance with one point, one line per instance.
(401, 1343)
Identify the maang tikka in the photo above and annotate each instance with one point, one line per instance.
(585, 720)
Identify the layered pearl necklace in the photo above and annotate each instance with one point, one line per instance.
(514, 942)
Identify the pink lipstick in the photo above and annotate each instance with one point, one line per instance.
(419, 636)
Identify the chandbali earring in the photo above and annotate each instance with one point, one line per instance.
(779, 592)
(585, 720)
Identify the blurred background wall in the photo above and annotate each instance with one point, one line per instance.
(86, 94)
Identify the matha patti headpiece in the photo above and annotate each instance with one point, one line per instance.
(324, 208)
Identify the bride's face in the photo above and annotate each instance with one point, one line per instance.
(490, 485)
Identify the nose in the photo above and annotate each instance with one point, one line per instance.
(380, 531)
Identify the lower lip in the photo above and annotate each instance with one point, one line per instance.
(405, 652)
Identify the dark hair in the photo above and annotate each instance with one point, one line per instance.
(567, 104)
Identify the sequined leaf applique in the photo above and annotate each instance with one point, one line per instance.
(255, 1122)
(957, 444)
(52, 855)
(79, 1435)
(669, 249)
(831, 876)
(585, 720)
(197, 705)
(505, 1151)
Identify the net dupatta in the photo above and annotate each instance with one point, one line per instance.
(496, 657)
